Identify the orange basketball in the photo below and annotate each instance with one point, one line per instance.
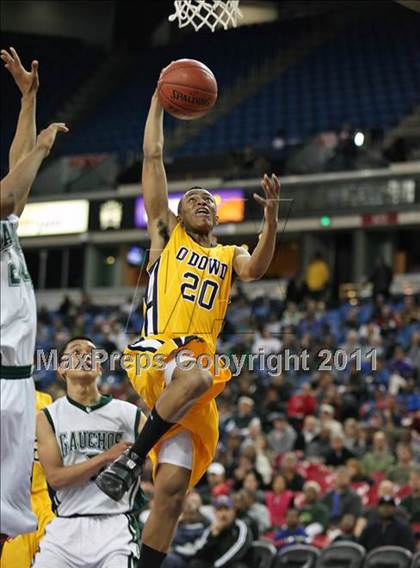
(187, 89)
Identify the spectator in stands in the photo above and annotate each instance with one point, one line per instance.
(243, 454)
(387, 531)
(262, 459)
(226, 542)
(255, 514)
(292, 533)
(308, 440)
(328, 421)
(242, 502)
(291, 315)
(282, 436)
(323, 381)
(380, 459)
(317, 276)
(400, 472)
(313, 514)
(216, 483)
(357, 391)
(386, 489)
(301, 404)
(412, 503)
(67, 306)
(400, 363)
(190, 528)
(381, 375)
(278, 500)
(244, 465)
(294, 294)
(266, 343)
(351, 344)
(414, 353)
(342, 500)
(345, 531)
(252, 483)
(411, 311)
(357, 474)
(381, 278)
(233, 442)
(351, 435)
(289, 466)
(272, 402)
(241, 419)
(257, 511)
(338, 454)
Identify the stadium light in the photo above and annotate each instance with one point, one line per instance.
(359, 138)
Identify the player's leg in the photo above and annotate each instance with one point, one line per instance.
(110, 541)
(17, 431)
(184, 388)
(171, 485)
(61, 545)
(51, 560)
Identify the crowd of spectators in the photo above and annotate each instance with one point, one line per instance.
(315, 454)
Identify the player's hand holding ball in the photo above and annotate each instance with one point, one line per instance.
(187, 89)
(46, 138)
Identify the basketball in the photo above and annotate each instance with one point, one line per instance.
(187, 89)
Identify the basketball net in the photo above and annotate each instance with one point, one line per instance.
(208, 13)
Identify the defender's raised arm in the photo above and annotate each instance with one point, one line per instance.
(161, 220)
(16, 185)
(25, 135)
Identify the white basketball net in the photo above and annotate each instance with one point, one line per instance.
(208, 13)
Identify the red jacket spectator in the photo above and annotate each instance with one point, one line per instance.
(302, 404)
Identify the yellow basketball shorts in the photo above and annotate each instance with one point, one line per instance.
(20, 551)
(145, 363)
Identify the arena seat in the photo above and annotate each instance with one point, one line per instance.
(416, 560)
(297, 556)
(372, 85)
(229, 55)
(56, 55)
(330, 86)
(261, 555)
(342, 555)
(388, 557)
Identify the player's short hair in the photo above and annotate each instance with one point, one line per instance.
(190, 189)
(64, 346)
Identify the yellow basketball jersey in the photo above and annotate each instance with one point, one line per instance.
(39, 483)
(188, 289)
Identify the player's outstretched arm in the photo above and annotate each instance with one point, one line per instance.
(27, 83)
(252, 267)
(7, 201)
(19, 181)
(161, 220)
(58, 475)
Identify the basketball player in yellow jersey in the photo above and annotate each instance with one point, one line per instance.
(185, 304)
(20, 552)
